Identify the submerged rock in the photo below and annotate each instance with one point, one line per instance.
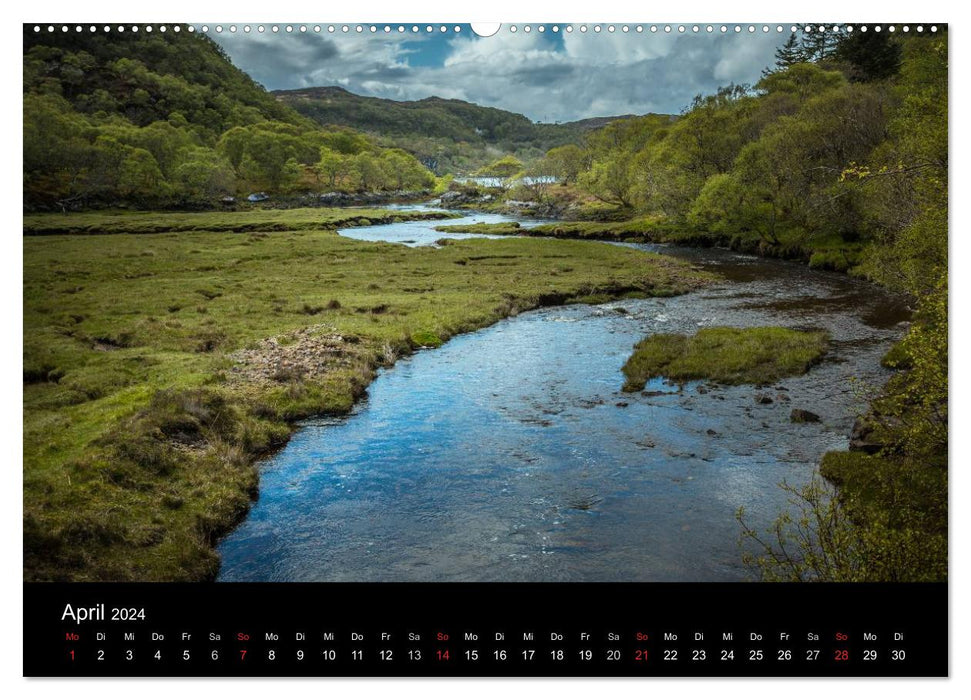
(801, 415)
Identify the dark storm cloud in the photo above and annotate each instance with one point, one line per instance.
(276, 61)
(541, 75)
(383, 72)
(576, 76)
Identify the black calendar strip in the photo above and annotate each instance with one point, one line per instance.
(485, 630)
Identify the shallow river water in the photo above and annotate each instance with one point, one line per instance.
(510, 454)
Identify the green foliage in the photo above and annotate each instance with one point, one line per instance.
(913, 411)
(506, 167)
(425, 339)
(610, 174)
(826, 537)
(830, 159)
(815, 541)
(800, 80)
(176, 126)
(510, 228)
(566, 163)
(728, 355)
(872, 55)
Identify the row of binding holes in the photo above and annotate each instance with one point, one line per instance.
(711, 29)
(415, 29)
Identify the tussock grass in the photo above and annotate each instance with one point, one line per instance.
(140, 433)
(253, 221)
(821, 252)
(727, 355)
(507, 228)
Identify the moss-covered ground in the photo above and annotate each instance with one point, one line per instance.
(729, 355)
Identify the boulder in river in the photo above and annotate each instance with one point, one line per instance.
(801, 415)
(763, 398)
(861, 438)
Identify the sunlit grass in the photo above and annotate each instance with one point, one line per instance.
(727, 355)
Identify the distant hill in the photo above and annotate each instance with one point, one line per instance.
(447, 135)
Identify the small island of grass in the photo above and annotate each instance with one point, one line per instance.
(505, 228)
(727, 355)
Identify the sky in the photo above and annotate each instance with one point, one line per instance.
(547, 76)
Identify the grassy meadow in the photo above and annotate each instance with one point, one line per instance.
(160, 362)
(259, 220)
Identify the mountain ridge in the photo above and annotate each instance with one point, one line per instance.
(446, 134)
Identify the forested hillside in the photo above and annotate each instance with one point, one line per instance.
(167, 120)
(840, 156)
(446, 135)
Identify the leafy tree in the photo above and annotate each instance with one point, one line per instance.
(332, 166)
(203, 175)
(802, 80)
(369, 172)
(505, 167)
(566, 162)
(139, 176)
(404, 172)
(610, 179)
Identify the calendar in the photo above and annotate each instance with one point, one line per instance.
(522, 349)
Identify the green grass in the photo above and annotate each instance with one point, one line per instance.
(830, 252)
(727, 355)
(510, 228)
(142, 423)
(307, 219)
(636, 230)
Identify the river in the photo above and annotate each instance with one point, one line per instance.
(537, 468)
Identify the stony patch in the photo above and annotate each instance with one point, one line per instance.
(307, 353)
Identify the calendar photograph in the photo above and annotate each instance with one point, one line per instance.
(444, 303)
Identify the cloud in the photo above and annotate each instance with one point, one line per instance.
(261, 56)
(604, 48)
(544, 76)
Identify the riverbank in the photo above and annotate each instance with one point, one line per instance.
(158, 368)
(252, 220)
(892, 484)
(831, 253)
